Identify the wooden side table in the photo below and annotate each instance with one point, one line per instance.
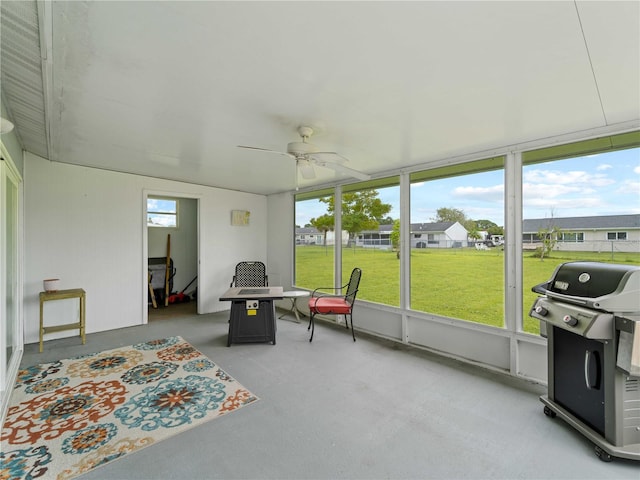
(62, 295)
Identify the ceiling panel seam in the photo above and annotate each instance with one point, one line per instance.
(593, 73)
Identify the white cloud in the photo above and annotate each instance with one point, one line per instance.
(573, 177)
(604, 166)
(629, 187)
(542, 190)
(491, 194)
(637, 169)
(560, 204)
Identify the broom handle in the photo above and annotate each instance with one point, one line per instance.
(166, 275)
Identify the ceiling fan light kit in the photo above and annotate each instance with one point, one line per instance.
(307, 155)
(306, 169)
(5, 125)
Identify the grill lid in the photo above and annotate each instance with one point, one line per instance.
(605, 286)
(588, 279)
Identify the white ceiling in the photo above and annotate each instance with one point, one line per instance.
(169, 89)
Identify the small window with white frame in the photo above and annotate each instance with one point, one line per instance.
(162, 212)
(572, 237)
(616, 235)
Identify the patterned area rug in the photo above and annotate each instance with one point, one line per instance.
(71, 416)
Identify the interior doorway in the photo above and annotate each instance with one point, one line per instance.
(11, 275)
(171, 230)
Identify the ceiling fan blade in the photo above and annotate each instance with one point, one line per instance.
(338, 167)
(329, 157)
(320, 159)
(306, 169)
(266, 150)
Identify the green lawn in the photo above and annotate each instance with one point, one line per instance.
(461, 283)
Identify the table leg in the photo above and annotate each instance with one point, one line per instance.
(82, 317)
(293, 309)
(41, 323)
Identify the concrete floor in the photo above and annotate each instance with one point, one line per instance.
(335, 409)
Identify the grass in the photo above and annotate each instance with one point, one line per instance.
(460, 283)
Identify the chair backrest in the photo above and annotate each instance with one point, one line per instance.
(250, 274)
(352, 286)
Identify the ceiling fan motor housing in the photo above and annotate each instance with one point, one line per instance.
(300, 148)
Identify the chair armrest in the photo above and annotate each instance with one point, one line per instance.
(322, 294)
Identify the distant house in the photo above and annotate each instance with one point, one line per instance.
(438, 235)
(309, 236)
(619, 233)
(380, 238)
(423, 235)
(312, 236)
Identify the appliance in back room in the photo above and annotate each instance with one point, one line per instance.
(590, 314)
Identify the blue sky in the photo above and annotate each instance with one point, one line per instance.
(602, 184)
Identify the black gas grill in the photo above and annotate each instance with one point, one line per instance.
(590, 314)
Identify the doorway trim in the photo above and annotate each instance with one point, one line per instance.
(146, 193)
(9, 366)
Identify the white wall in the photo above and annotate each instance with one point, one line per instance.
(87, 227)
(280, 238)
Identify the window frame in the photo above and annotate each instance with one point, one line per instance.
(514, 161)
(617, 235)
(165, 214)
(571, 237)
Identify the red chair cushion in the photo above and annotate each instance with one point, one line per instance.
(329, 305)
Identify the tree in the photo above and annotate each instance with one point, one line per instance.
(489, 227)
(450, 214)
(323, 223)
(474, 234)
(549, 236)
(486, 225)
(395, 237)
(360, 211)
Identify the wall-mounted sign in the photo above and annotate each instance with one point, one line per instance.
(240, 217)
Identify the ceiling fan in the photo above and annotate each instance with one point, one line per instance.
(307, 155)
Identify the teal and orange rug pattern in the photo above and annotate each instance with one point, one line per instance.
(70, 416)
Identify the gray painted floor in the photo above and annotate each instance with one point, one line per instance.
(335, 409)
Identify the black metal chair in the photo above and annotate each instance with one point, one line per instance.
(250, 274)
(327, 304)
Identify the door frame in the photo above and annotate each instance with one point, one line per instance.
(146, 193)
(9, 366)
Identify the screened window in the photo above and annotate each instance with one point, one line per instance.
(315, 240)
(453, 208)
(369, 238)
(370, 215)
(583, 186)
(162, 212)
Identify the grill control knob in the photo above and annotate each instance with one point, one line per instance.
(569, 320)
(540, 310)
